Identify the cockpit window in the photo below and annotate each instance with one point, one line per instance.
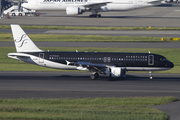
(163, 59)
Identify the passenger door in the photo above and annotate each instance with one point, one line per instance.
(151, 60)
(41, 58)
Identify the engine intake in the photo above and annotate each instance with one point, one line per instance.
(73, 11)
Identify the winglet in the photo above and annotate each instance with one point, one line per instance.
(22, 41)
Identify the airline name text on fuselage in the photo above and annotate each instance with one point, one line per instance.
(65, 1)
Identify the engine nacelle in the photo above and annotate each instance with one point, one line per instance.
(73, 11)
(115, 72)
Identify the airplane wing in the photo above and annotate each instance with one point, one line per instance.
(87, 65)
(96, 5)
(154, 1)
(92, 66)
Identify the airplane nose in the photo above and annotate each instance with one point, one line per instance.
(170, 64)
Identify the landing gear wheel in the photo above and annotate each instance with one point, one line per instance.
(20, 14)
(13, 14)
(95, 15)
(99, 15)
(94, 76)
(150, 75)
(90, 16)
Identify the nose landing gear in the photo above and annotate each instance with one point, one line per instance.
(150, 75)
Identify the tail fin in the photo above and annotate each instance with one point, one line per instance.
(22, 42)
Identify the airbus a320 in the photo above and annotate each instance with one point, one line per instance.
(110, 64)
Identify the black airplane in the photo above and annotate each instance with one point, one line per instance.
(110, 64)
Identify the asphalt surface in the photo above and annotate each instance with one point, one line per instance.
(78, 82)
(79, 85)
(154, 33)
(164, 16)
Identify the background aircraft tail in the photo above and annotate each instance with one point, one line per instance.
(22, 41)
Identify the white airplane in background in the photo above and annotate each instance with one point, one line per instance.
(76, 7)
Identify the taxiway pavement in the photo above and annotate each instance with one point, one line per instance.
(154, 33)
(79, 85)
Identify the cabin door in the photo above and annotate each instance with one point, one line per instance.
(41, 58)
(151, 60)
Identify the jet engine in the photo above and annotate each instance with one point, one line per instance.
(115, 72)
(73, 11)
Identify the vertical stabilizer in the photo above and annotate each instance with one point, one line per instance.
(22, 41)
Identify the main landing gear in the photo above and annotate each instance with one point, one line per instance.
(95, 15)
(150, 75)
(94, 75)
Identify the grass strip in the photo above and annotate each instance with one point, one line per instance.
(84, 109)
(91, 28)
(8, 64)
(7, 37)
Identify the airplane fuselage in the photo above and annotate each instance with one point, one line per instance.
(76, 7)
(127, 61)
(116, 5)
